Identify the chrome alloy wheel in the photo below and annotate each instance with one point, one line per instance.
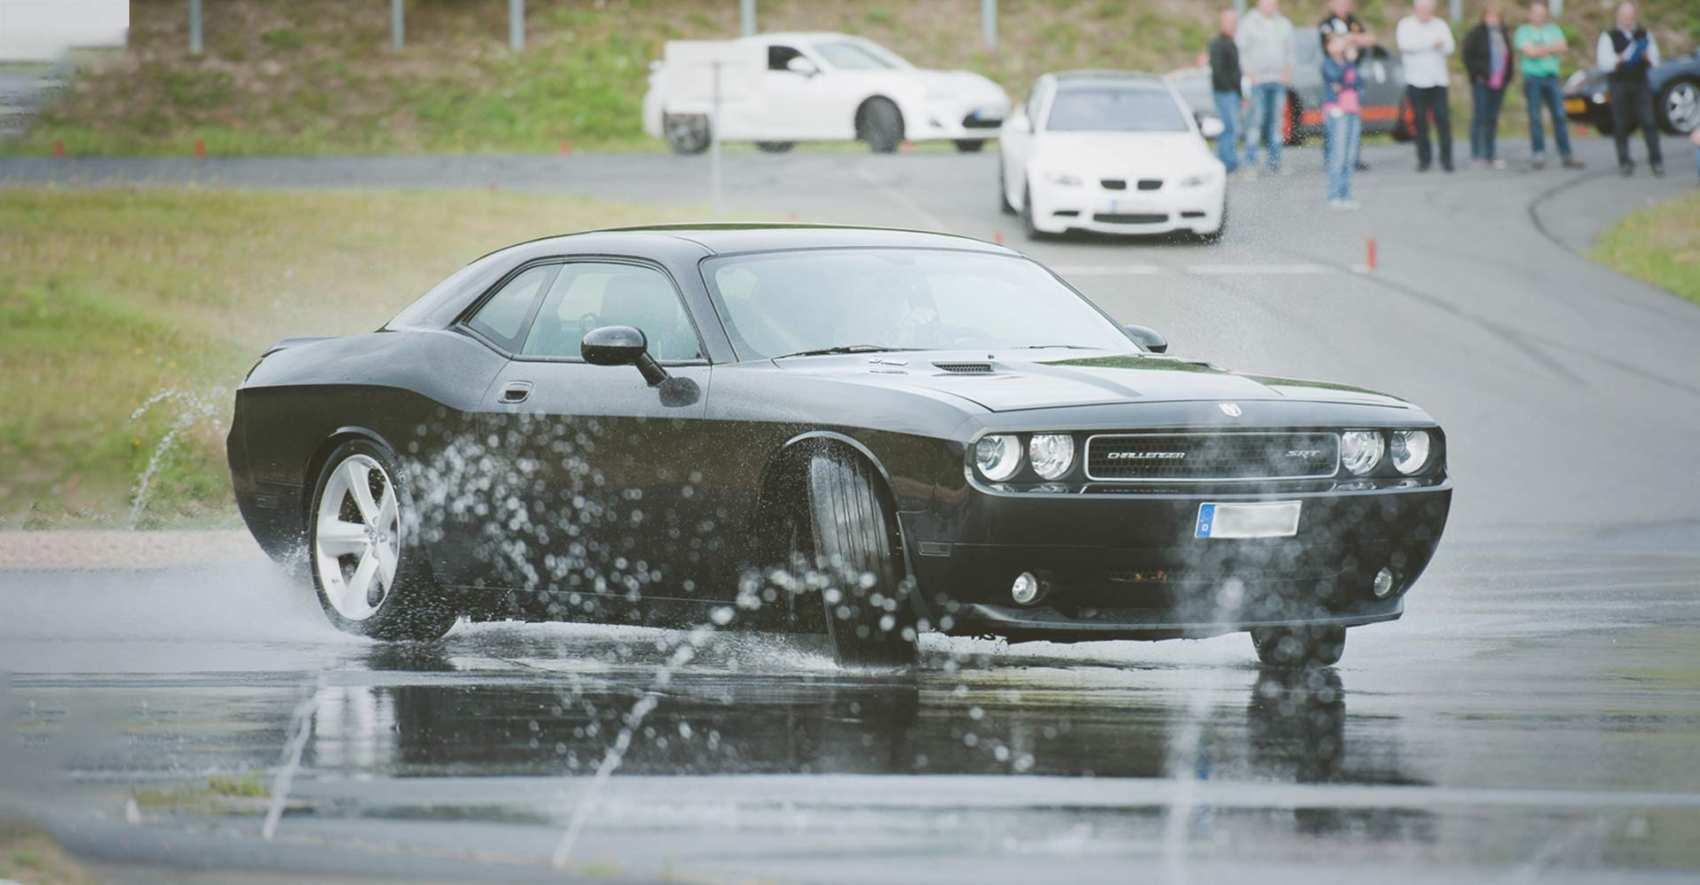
(357, 542)
(1682, 106)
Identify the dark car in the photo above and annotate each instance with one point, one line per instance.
(871, 433)
(1676, 89)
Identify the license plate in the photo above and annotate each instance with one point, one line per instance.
(1262, 519)
(1574, 105)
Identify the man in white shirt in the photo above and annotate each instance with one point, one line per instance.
(1267, 56)
(1424, 43)
(1627, 52)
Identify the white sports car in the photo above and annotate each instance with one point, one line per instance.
(779, 89)
(1113, 153)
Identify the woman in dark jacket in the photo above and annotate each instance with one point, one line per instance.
(1490, 63)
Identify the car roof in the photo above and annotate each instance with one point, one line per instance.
(725, 239)
(803, 35)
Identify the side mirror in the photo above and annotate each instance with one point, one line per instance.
(1210, 127)
(801, 65)
(1148, 338)
(622, 346)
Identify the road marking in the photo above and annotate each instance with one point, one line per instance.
(1197, 270)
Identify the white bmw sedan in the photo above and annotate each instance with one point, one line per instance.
(1110, 152)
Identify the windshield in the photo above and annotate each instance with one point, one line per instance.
(782, 303)
(847, 56)
(1115, 109)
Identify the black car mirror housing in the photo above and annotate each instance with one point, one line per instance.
(622, 346)
(1145, 337)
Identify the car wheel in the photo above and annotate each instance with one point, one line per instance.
(880, 124)
(369, 567)
(1679, 106)
(686, 133)
(850, 532)
(1033, 231)
(1299, 647)
(775, 147)
(970, 145)
(1215, 236)
(1292, 131)
(1003, 191)
(1405, 123)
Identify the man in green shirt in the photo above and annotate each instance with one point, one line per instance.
(1541, 44)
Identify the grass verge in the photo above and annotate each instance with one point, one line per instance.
(1660, 244)
(30, 856)
(112, 300)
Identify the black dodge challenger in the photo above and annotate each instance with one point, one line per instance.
(871, 433)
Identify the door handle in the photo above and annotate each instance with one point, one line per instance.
(515, 392)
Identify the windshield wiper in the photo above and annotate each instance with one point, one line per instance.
(844, 348)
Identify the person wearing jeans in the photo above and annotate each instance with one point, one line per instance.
(1424, 43)
(1341, 108)
(1225, 88)
(1628, 52)
(1487, 58)
(1541, 44)
(1267, 53)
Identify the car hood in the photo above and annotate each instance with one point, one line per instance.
(1004, 384)
(1123, 154)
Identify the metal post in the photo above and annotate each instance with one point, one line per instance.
(398, 27)
(516, 25)
(1239, 7)
(194, 27)
(747, 16)
(989, 22)
(714, 143)
(1457, 10)
(1557, 7)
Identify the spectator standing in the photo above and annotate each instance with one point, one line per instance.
(1487, 59)
(1342, 20)
(1542, 44)
(1424, 42)
(1628, 52)
(1267, 54)
(1227, 87)
(1341, 110)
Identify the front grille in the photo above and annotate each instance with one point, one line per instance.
(1212, 457)
(1114, 184)
(1150, 184)
(1130, 217)
(975, 121)
(964, 368)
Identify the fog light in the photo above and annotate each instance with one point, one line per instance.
(1025, 590)
(1383, 583)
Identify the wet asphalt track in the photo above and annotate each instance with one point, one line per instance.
(1536, 714)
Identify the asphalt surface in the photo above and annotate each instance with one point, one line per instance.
(1535, 715)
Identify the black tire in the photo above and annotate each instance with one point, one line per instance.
(414, 607)
(1295, 134)
(775, 147)
(1404, 127)
(970, 145)
(850, 531)
(1686, 92)
(1222, 229)
(1003, 192)
(1033, 233)
(880, 124)
(686, 133)
(1299, 647)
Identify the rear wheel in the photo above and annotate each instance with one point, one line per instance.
(775, 147)
(1679, 106)
(1292, 127)
(1299, 647)
(686, 133)
(970, 145)
(1405, 125)
(850, 538)
(880, 124)
(369, 569)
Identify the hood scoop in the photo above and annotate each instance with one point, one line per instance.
(964, 368)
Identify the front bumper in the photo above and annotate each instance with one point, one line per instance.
(956, 121)
(1127, 566)
(1092, 207)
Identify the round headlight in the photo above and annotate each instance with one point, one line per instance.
(1410, 450)
(998, 456)
(1052, 454)
(1360, 450)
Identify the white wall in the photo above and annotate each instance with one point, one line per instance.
(41, 30)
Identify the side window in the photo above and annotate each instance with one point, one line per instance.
(502, 318)
(588, 295)
(778, 57)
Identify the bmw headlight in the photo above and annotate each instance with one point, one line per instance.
(1361, 450)
(998, 456)
(1410, 450)
(1051, 454)
(1064, 179)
